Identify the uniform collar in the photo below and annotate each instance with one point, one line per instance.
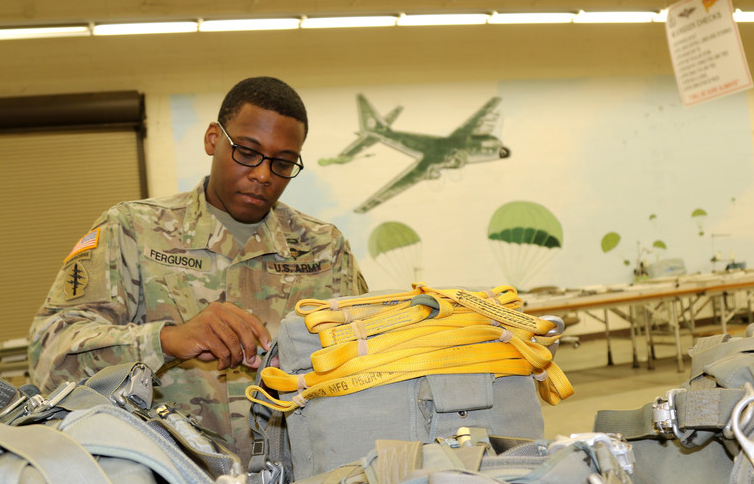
(198, 223)
(201, 230)
(271, 238)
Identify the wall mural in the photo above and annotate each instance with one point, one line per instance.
(596, 180)
(525, 236)
(396, 248)
(472, 142)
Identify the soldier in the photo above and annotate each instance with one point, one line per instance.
(193, 283)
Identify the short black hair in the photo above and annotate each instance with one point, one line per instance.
(267, 93)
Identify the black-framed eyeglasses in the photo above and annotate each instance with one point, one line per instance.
(248, 157)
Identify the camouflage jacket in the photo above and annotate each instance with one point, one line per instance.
(157, 261)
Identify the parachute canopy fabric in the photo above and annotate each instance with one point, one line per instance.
(390, 236)
(610, 241)
(699, 215)
(659, 244)
(524, 236)
(396, 247)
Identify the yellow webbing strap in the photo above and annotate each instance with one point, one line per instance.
(373, 341)
(430, 333)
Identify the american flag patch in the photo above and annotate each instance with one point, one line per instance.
(89, 241)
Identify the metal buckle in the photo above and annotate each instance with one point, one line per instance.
(664, 416)
(257, 447)
(616, 443)
(735, 422)
(274, 474)
(38, 403)
(557, 330)
(136, 389)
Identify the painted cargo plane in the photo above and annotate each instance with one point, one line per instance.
(470, 143)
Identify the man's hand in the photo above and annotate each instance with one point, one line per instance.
(221, 331)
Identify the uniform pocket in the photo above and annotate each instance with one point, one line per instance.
(182, 295)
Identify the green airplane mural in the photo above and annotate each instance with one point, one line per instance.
(472, 142)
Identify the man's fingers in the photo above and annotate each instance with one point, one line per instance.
(249, 328)
(228, 346)
(221, 331)
(252, 362)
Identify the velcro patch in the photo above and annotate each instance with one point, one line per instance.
(179, 260)
(87, 242)
(76, 280)
(298, 267)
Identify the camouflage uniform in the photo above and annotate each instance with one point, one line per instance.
(161, 261)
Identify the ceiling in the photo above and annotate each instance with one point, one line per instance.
(45, 12)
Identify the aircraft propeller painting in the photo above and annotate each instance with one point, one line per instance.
(472, 142)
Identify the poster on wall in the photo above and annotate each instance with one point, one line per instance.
(527, 183)
(706, 50)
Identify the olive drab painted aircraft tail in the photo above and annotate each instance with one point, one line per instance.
(369, 121)
(472, 142)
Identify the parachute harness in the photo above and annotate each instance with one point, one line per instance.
(377, 340)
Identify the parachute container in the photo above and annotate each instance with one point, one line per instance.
(524, 236)
(396, 248)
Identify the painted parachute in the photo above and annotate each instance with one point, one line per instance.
(396, 248)
(699, 215)
(611, 240)
(524, 236)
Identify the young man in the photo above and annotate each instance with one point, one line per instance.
(193, 283)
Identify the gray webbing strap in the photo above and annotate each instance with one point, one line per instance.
(56, 456)
(632, 424)
(99, 389)
(695, 409)
(715, 349)
(267, 427)
(128, 437)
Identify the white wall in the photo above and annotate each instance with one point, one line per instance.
(313, 61)
(161, 65)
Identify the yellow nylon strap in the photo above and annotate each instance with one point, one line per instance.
(409, 359)
(325, 319)
(555, 387)
(308, 306)
(361, 308)
(498, 358)
(504, 314)
(450, 331)
(424, 335)
(468, 332)
(383, 322)
(551, 390)
(388, 320)
(454, 360)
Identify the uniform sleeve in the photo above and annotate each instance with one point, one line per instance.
(352, 282)
(91, 317)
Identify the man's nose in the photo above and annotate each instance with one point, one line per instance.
(262, 172)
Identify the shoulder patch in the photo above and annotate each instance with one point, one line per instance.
(87, 242)
(76, 280)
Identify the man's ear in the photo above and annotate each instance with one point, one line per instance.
(210, 138)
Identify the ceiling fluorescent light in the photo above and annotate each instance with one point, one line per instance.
(249, 24)
(444, 19)
(338, 22)
(145, 28)
(615, 17)
(531, 18)
(740, 16)
(44, 32)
